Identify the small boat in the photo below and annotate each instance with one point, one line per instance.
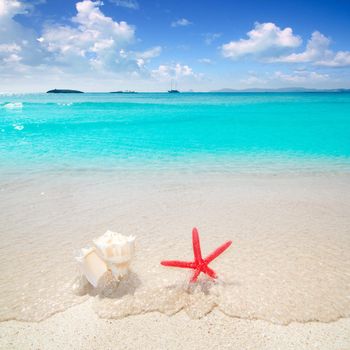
(173, 89)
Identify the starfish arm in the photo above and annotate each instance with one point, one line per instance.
(210, 272)
(177, 263)
(217, 252)
(196, 245)
(195, 276)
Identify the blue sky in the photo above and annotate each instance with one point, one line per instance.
(143, 45)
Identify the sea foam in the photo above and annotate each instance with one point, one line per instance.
(13, 105)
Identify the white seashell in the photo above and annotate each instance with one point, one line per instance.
(91, 265)
(116, 250)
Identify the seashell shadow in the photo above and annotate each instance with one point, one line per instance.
(108, 286)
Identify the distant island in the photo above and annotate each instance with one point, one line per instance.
(64, 91)
(286, 89)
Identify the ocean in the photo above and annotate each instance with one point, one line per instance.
(234, 132)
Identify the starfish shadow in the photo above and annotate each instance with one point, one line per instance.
(205, 285)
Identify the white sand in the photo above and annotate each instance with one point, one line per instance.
(289, 261)
(80, 328)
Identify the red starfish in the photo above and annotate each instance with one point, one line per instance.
(199, 264)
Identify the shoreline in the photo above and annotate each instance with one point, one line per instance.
(80, 328)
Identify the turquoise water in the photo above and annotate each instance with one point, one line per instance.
(233, 132)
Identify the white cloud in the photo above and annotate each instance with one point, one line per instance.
(89, 52)
(131, 4)
(339, 59)
(13, 58)
(316, 48)
(276, 79)
(205, 60)
(254, 79)
(10, 48)
(182, 22)
(317, 52)
(302, 76)
(17, 43)
(151, 53)
(263, 39)
(10, 8)
(143, 57)
(92, 38)
(266, 39)
(175, 71)
(209, 38)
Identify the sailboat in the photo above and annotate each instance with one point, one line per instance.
(173, 89)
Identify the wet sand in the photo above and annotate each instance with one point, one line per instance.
(285, 282)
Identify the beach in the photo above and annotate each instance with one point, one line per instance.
(285, 280)
(271, 172)
(174, 175)
(80, 328)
